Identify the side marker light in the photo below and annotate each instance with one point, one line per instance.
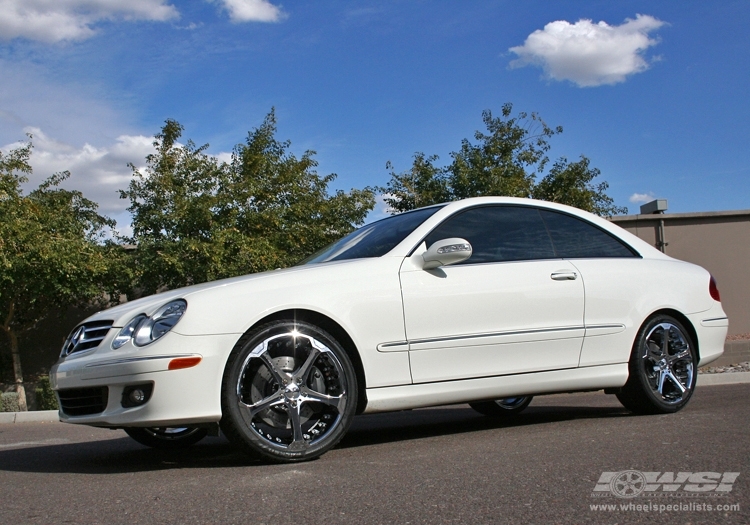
(184, 362)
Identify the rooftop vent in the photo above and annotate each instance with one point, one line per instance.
(657, 206)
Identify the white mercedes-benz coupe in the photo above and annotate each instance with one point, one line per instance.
(487, 301)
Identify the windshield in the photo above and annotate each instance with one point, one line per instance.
(373, 240)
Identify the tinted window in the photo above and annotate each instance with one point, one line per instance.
(373, 240)
(498, 233)
(576, 238)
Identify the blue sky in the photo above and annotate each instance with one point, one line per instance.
(653, 92)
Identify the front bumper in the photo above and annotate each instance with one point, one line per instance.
(179, 397)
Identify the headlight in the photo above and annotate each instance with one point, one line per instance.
(126, 334)
(144, 330)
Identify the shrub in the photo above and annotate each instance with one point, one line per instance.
(9, 402)
(45, 396)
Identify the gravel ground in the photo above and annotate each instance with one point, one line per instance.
(735, 367)
(739, 367)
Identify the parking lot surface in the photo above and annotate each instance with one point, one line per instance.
(431, 466)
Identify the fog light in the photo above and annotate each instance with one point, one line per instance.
(136, 395)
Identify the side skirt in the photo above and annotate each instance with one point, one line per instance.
(449, 392)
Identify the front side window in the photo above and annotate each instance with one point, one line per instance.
(373, 240)
(498, 233)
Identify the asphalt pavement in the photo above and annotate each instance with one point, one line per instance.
(428, 466)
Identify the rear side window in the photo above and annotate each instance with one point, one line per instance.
(574, 238)
(498, 233)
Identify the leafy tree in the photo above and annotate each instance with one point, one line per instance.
(53, 252)
(424, 184)
(196, 219)
(571, 184)
(506, 160)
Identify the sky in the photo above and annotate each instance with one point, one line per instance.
(654, 93)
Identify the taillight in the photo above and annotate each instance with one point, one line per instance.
(713, 289)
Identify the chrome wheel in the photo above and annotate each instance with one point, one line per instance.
(167, 437)
(507, 406)
(662, 368)
(510, 403)
(172, 434)
(668, 362)
(293, 392)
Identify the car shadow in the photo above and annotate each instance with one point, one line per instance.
(426, 423)
(123, 455)
(118, 456)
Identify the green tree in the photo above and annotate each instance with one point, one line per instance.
(424, 184)
(196, 219)
(571, 184)
(506, 160)
(53, 252)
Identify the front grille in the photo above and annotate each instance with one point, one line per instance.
(86, 336)
(83, 401)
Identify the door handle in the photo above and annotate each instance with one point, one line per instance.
(564, 275)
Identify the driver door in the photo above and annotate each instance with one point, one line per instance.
(512, 307)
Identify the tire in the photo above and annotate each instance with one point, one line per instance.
(506, 407)
(663, 368)
(289, 392)
(167, 437)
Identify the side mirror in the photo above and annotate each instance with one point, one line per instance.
(445, 252)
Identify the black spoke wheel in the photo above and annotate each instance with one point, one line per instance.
(505, 407)
(289, 392)
(167, 437)
(663, 368)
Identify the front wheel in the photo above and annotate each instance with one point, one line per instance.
(167, 437)
(289, 392)
(662, 368)
(508, 406)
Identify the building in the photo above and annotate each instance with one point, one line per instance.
(718, 241)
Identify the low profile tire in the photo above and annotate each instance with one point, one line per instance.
(289, 392)
(506, 407)
(663, 368)
(167, 437)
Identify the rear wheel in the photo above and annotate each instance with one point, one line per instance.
(508, 406)
(289, 392)
(167, 437)
(662, 367)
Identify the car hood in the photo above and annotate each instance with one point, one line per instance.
(121, 314)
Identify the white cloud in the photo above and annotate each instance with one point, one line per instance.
(53, 21)
(224, 156)
(78, 127)
(98, 172)
(642, 197)
(78, 111)
(253, 11)
(589, 54)
(381, 209)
